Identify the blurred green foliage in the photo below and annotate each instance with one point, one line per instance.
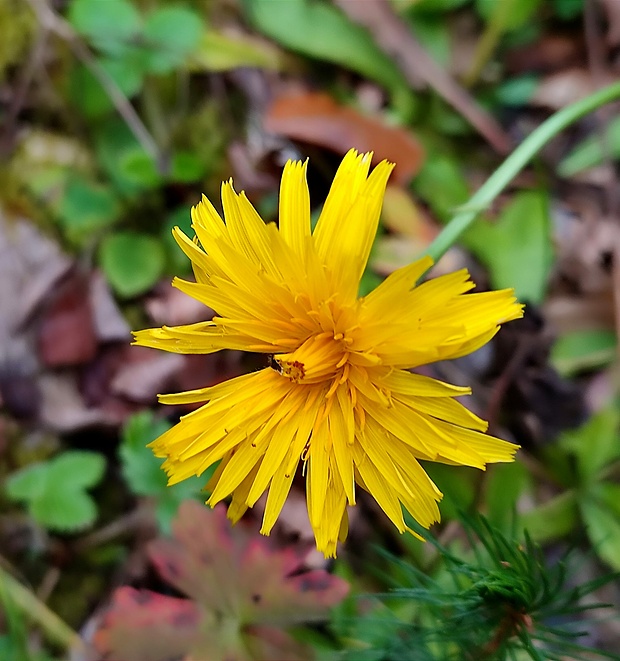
(54, 491)
(142, 469)
(130, 131)
(498, 601)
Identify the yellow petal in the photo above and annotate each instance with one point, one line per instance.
(294, 213)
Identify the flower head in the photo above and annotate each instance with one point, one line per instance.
(338, 396)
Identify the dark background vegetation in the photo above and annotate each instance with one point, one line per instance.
(115, 116)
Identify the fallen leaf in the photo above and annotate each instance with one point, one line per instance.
(401, 214)
(109, 322)
(145, 373)
(551, 52)
(243, 594)
(66, 331)
(612, 9)
(396, 38)
(30, 266)
(63, 407)
(169, 306)
(586, 253)
(199, 371)
(563, 88)
(316, 118)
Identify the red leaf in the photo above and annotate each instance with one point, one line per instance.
(141, 624)
(224, 567)
(316, 118)
(67, 332)
(244, 592)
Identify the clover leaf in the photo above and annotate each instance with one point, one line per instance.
(54, 491)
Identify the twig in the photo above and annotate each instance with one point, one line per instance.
(52, 22)
(396, 40)
(506, 172)
(598, 71)
(54, 628)
(135, 519)
(596, 64)
(486, 46)
(21, 90)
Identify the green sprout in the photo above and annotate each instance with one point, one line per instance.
(503, 603)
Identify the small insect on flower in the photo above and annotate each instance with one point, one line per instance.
(338, 396)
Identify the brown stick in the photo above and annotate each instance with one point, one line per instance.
(54, 23)
(395, 38)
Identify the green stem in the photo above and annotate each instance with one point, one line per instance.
(34, 609)
(502, 13)
(506, 172)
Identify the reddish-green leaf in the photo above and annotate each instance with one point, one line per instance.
(243, 593)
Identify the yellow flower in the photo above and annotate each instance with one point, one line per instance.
(337, 395)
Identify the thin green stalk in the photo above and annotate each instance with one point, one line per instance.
(502, 13)
(32, 608)
(506, 172)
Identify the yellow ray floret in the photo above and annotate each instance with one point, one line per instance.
(338, 404)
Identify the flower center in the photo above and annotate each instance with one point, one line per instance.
(318, 359)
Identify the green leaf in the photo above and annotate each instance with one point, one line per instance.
(27, 483)
(433, 32)
(317, 29)
(603, 527)
(64, 511)
(132, 262)
(458, 485)
(595, 444)
(77, 469)
(430, 6)
(517, 248)
(593, 150)
(114, 140)
(517, 91)
(140, 467)
(171, 34)
(111, 26)
(609, 496)
(441, 184)
(222, 52)
(568, 9)
(583, 350)
(138, 168)
(504, 485)
(516, 12)
(172, 496)
(88, 94)
(187, 167)
(177, 259)
(87, 207)
(54, 491)
(553, 519)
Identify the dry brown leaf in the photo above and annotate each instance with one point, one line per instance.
(171, 307)
(66, 331)
(552, 52)
(316, 118)
(110, 324)
(401, 214)
(63, 408)
(612, 10)
(394, 36)
(565, 87)
(145, 373)
(586, 253)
